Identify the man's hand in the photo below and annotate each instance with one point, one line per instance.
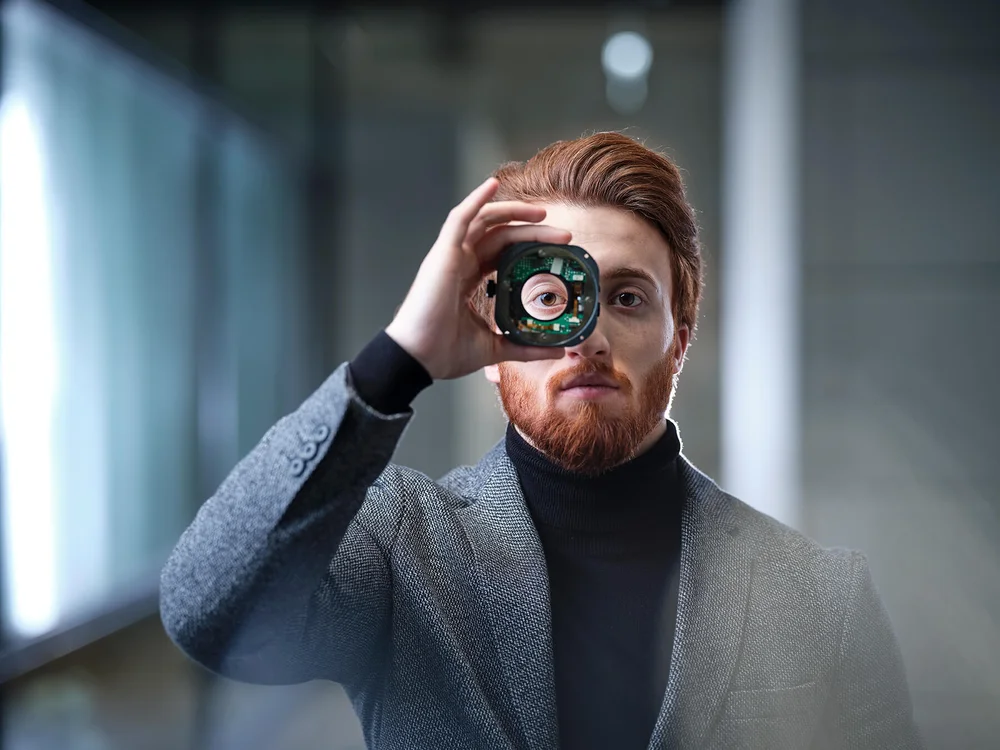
(437, 323)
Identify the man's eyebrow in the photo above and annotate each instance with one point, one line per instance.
(622, 273)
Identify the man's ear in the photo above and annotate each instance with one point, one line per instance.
(683, 337)
(492, 373)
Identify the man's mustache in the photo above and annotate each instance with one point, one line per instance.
(589, 367)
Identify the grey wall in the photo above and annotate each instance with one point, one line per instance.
(901, 252)
(400, 182)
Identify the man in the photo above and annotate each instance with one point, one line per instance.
(583, 586)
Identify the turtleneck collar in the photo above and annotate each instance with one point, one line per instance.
(638, 501)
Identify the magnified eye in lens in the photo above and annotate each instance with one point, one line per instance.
(544, 296)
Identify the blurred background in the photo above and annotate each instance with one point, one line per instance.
(205, 207)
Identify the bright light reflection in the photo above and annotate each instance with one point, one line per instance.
(627, 55)
(27, 375)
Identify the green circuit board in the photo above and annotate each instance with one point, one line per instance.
(565, 268)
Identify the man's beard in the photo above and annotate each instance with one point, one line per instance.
(589, 438)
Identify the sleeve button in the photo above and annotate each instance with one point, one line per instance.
(298, 466)
(322, 433)
(309, 451)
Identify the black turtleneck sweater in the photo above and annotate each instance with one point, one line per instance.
(612, 545)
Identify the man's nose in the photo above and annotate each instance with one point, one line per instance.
(595, 346)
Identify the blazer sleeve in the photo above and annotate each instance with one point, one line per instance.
(871, 706)
(277, 581)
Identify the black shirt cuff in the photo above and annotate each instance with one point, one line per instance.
(386, 377)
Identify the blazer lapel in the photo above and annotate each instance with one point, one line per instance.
(514, 590)
(715, 574)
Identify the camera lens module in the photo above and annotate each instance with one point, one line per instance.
(546, 295)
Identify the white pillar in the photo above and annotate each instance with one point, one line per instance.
(759, 267)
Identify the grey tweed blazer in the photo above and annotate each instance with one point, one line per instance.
(428, 600)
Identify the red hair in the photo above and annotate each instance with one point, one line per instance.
(613, 170)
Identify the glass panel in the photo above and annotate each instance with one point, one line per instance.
(262, 242)
(99, 328)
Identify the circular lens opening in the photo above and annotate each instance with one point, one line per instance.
(544, 296)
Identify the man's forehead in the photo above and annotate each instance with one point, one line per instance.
(624, 258)
(628, 233)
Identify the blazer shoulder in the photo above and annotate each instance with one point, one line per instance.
(777, 543)
(465, 483)
(405, 486)
(777, 549)
(795, 575)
